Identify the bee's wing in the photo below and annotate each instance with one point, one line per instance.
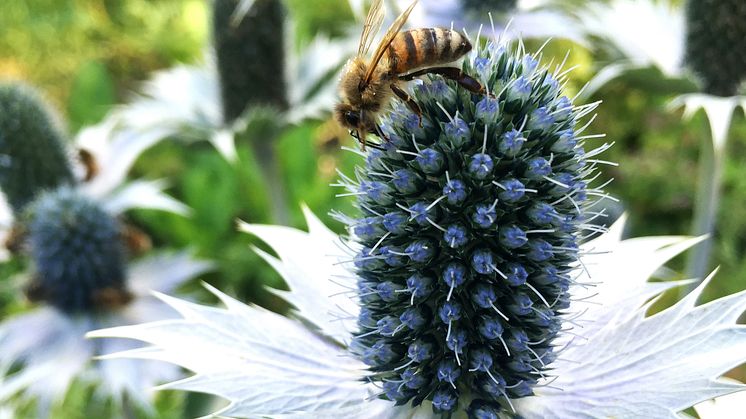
(386, 41)
(372, 25)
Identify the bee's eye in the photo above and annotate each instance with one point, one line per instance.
(352, 118)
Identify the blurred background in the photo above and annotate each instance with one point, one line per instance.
(91, 57)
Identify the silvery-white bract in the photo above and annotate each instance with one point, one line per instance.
(50, 346)
(619, 363)
(657, 40)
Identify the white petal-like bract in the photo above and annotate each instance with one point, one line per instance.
(730, 406)
(637, 366)
(115, 151)
(50, 350)
(616, 362)
(263, 363)
(164, 271)
(147, 194)
(657, 38)
(315, 267)
(719, 111)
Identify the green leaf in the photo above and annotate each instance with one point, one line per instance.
(91, 96)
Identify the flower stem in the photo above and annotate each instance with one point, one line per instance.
(266, 156)
(707, 202)
(128, 410)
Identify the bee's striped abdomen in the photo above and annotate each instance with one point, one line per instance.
(425, 47)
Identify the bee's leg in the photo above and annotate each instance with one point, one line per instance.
(380, 134)
(364, 142)
(404, 96)
(354, 134)
(467, 82)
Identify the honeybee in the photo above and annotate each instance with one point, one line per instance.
(365, 87)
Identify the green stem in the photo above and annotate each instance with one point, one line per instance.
(128, 410)
(705, 211)
(266, 156)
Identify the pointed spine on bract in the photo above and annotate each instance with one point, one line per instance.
(77, 253)
(716, 44)
(469, 231)
(250, 52)
(33, 154)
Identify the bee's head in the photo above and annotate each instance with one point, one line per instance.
(348, 116)
(359, 122)
(353, 118)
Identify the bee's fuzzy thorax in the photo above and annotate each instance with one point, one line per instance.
(375, 95)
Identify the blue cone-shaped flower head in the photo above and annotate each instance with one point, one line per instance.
(482, 205)
(77, 252)
(32, 147)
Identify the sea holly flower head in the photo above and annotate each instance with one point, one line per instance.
(483, 193)
(36, 157)
(77, 252)
(62, 214)
(715, 43)
(468, 306)
(31, 146)
(269, 365)
(81, 279)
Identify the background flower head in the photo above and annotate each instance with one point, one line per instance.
(78, 252)
(31, 146)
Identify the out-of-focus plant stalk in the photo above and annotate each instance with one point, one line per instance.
(714, 52)
(250, 52)
(719, 112)
(707, 202)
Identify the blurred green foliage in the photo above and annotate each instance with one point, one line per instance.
(87, 55)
